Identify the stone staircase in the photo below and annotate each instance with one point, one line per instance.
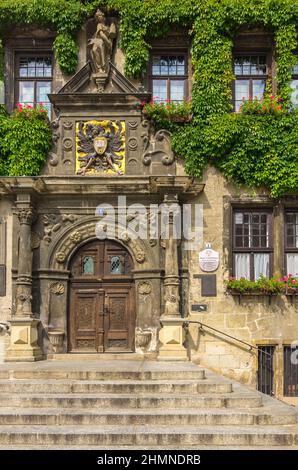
(133, 404)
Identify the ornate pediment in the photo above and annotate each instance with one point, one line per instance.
(81, 82)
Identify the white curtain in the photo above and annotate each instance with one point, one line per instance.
(292, 263)
(242, 265)
(261, 261)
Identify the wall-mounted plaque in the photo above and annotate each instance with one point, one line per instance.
(208, 260)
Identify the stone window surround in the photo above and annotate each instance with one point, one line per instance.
(250, 250)
(278, 208)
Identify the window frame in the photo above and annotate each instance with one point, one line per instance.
(288, 249)
(251, 78)
(35, 79)
(295, 75)
(252, 250)
(185, 77)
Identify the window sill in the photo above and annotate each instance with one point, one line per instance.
(252, 294)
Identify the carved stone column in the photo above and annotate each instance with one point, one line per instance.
(24, 334)
(171, 335)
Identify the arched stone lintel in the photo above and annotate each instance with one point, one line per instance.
(72, 238)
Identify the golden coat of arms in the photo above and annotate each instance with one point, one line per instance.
(100, 147)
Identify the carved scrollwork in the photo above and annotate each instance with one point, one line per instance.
(54, 222)
(159, 146)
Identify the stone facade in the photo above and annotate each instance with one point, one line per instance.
(49, 218)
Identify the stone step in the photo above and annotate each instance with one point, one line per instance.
(212, 417)
(129, 386)
(106, 401)
(102, 374)
(149, 435)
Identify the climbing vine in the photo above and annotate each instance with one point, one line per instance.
(255, 150)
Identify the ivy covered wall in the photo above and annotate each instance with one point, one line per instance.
(256, 150)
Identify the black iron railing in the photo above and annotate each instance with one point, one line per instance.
(203, 325)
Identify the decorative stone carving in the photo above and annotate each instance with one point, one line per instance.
(54, 222)
(27, 216)
(140, 256)
(60, 257)
(100, 147)
(143, 338)
(145, 288)
(132, 143)
(133, 124)
(56, 339)
(53, 161)
(67, 143)
(101, 50)
(35, 241)
(57, 288)
(76, 237)
(159, 146)
(68, 125)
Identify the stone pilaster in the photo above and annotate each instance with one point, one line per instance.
(24, 335)
(171, 335)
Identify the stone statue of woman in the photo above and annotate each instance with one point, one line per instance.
(102, 44)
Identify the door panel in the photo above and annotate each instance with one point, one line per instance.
(87, 320)
(118, 330)
(101, 307)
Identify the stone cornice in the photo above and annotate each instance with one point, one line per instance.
(93, 185)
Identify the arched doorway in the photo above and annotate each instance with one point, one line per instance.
(101, 305)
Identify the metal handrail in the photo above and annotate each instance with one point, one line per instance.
(203, 325)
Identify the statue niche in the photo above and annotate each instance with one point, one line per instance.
(101, 50)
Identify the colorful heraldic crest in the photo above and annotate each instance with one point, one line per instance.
(100, 147)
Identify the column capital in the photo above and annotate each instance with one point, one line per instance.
(26, 215)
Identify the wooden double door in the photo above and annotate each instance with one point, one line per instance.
(101, 304)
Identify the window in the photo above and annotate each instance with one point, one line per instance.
(291, 241)
(252, 244)
(168, 77)
(250, 78)
(115, 265)
(294, 86)
(291, 371)
(88, 265)
(34, 80)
